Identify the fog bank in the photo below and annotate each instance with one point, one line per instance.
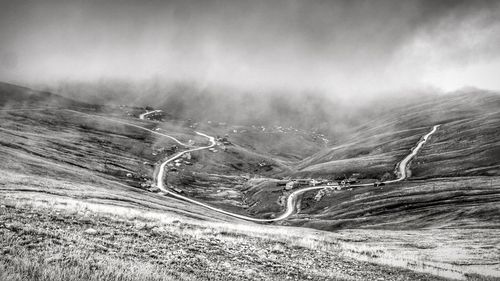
(340, 47)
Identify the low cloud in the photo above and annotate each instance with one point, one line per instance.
(340, 47)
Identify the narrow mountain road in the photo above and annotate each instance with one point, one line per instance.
(292, 198)
(290, 207)
(291, 201)
(403, 165)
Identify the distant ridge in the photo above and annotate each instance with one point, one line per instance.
(14, 96)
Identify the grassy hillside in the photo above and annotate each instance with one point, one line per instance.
(372, 156)
(467, 136)
(71, 155)
(13, 96)
(64, 173)
(63, 147)
(77, 243)
(453, 202)
(466, 147)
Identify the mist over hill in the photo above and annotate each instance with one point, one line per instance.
(331, 114)
(225, 104)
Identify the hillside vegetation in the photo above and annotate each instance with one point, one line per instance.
(71, 167)
(467, 136)
(57, 242)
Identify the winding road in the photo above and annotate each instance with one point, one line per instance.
(160, 184)
(403, 165)
(292, 198)
(290, 206)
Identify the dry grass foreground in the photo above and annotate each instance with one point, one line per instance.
(71, 240)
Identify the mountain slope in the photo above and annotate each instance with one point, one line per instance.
(375, 147)
(13, 96)
(82, 172)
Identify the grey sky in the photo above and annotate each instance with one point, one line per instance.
(337, 46)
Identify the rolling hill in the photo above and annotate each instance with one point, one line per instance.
(65, 173)
(13, 96)
(467, 136)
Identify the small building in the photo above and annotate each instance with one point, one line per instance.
(303, 182)
(314, 182)
(281, 183)
(154, 189)
(291, 185)
(345, 182)
(333, 184)
(172, 149)
(187, 155)
(225, 141)
(154, 115)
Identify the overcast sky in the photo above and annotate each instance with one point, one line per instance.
(332, 46)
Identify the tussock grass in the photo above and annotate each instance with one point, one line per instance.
(83, 266)
(356, 245)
